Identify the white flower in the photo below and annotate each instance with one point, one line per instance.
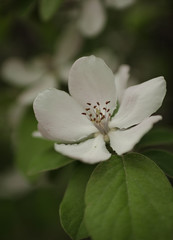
(84, 121)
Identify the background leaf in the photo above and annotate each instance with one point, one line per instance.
(48, 160)
(27, 146)
(72, 206)
(130, 198)
(157, 136)
(48, 8)
(163, 158)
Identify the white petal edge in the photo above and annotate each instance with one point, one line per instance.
(91, 151)
(123, 141)
(121, 79)
(91, 80)
(139, 102)
(92, 19)
(61, 116)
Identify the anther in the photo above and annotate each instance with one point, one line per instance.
(107, 102)
(89, 103)
(87, 109)
(98, 103)
(108, 110)
(84, 113)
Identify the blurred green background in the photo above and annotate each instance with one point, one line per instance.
(139, 34)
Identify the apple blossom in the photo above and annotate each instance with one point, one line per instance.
(86, 121)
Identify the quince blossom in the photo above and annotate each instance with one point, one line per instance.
(85, 121)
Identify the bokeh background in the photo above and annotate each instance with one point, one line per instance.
(39, 41)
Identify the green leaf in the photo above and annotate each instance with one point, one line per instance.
(48, 160)
(48, 8)
(72, 206)
(129, 198)
(27, 147)
(35, 155)
(157, 136)
(163, 159)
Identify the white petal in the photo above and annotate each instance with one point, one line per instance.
(139, 102)
(91, 151)
(119, 3)
(123, 141)
(42, 133)
(19, 73)
(121, 78)
(37, 134)
(92, 19)
(91, 80)
(28, 96)
(61, 117)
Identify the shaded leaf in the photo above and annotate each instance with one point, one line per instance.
(48, 160)
(129, 198)
(72, 206)
(163, 159)
(157, 136)
(27, 147)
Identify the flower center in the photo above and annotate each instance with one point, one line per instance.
(99, 116)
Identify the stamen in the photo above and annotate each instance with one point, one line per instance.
(107, 102)
(99, 116)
